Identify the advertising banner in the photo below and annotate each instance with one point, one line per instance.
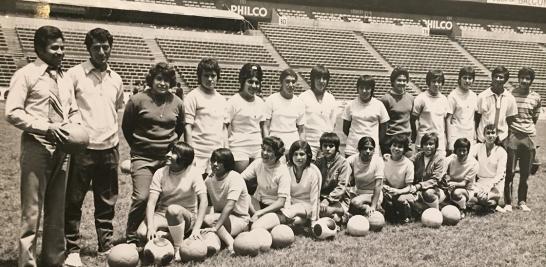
(532, 3)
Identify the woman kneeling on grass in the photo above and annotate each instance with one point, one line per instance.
(429, 168)
(488, 188)
(175, 190)
(366, 180)
(399, 174)
(304, 191)
(460, 175)
(229, 198)
(273, 179)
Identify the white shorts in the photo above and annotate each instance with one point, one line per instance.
(299, 209)
(237, 224)
(202, 164)
(246, 152)
(460, 134)
(287, 138)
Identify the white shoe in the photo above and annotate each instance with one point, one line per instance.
(500, 209)
(508, 208)
(73, 260)
(524, 207)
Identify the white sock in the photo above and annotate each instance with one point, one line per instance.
(177, 233)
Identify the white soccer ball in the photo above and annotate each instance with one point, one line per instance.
(158, 251)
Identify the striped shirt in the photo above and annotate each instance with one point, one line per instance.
(528, 110)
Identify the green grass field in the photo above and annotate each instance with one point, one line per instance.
(512, 239)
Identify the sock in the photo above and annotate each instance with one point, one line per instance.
(267, 221)
(177, 233)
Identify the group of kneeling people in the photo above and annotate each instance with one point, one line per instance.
(297, 191)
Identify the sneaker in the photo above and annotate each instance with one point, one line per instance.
(524, 207)
(508, 208)
(500, 209)
(73, 260)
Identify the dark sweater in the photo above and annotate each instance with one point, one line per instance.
(152, 122)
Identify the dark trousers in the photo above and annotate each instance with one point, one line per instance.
(142, 171)
(518, 147)
(43, 185)
(97, 169)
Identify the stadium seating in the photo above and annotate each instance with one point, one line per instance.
(202, 4)
(338, 17)
(418, 53)
(3, 44)
(292, 13)
(512, 54)
(343, 85)
(529, 30)
(306, 47)
(7, 68)
(501, 28)
(467, 26)
(229, 81)
(123, 47)
(164, 2)
(186, 50)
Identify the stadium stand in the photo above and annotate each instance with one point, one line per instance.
(198, 4)
(124, 46)
(3, 43)
(512, 54)
(338, 17)
(292, 13)
(529, 30)
(228, 84)
(188, 50)
(467, 26)
(343, 85)
(7, 68)
(418, 53)
(501, 28)
(164, 2)
(306, 47)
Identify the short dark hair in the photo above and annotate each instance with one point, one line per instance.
(400, 139)
(330, 138)
(433, 75)
(250, 70)
(366, 80)
(501, 70)
(492, 127)
(208, 64)
(44, 34)
(364, 141)
(300, 145)
(100, 35)
(527, 71)
(397, 72)
(167, 72)
(468, 70)
(184, 152)
(224, 156)
(276, 144)
(461, 143)
(317, 72)
(287, 72)
(430, 136)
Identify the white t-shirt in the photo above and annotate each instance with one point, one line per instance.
(462, 105)
(320, 117)
(432, 111)
(273, 181)
(244, 120)
(365, 119)
(285, 114)
(307, 191)
(181, 189)
(398, 173)
(233, 187)
(207, 113)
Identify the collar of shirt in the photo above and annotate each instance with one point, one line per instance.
(88, 67)
(490, 92)
(40, 66)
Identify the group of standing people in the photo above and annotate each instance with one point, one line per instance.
(256, 163)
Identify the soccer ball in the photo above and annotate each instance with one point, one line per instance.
(325, 228)
(77, 138)
(246, 244)
(125, 166)
(377, 221)
(193, 250)
(123, 255)
(263, 237)
(358, 225)
(451, 215)
(282, 236)
(158, 251)
(213, 243)
(432, 217)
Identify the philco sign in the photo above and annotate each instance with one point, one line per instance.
(251, 11)
(439, 26)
